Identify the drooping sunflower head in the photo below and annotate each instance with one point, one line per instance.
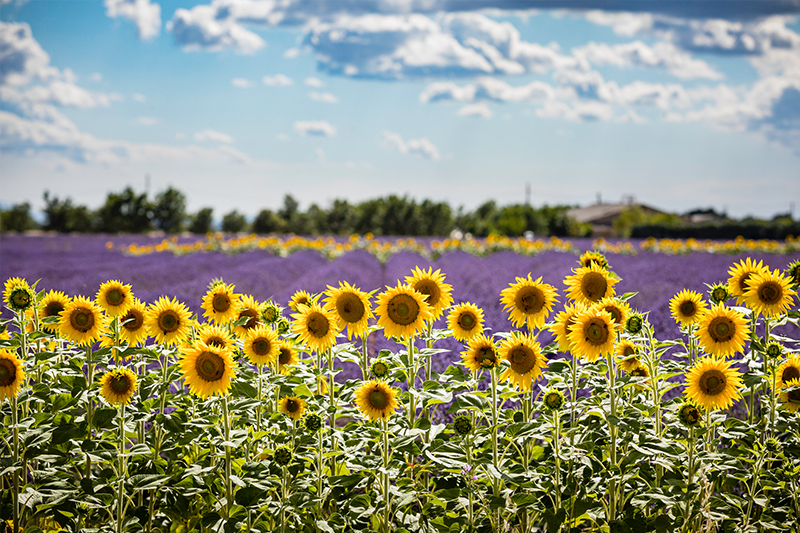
(379, 369)
(618, 310)
(402, 312)
(793, 273)
(634, 323)
(220, 303)
(283, 455)
(114, 297)
(208, 370)
(590, 284)
(287, 356)
(350, 306)
(261, 345)
(628, 355)
(292, 406)
(168, 320)
(462, 425)
(740, 274)
(465, 321)
(118, 386)
(12, 374)
(51, 305)
(564, 321)
(528, 301)
(719, 293)
(712, 384)
(553, 399)
(722, 331)
(481, 354)
(249, 311)
(271, 312)
(593, 257)
(689, 415)
(133, 329)
(431, 285)
(215, 335)
(301, 298)
(376, 400)
(593, 334)
(81, 321)
(687, 307)
(769, 293)
(316, 327)
(525, 359)
(312, 422)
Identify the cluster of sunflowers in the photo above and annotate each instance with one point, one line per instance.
(602, 447)
(740, 245)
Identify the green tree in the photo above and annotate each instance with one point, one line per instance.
(268, 221)
(169, 210)
(341, 219)
(201, 221)
(64, 217)
(233, 222)
(401, 217)
(436, 218)
(369, 215)
(125, 212)
(18, 218)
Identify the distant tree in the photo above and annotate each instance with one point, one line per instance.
(62, 216)
(125, 212)
(401, 217)
(514, 220)
(268, 221)
(200, 222)
(341, 219)
(234, 222)
(290, 208)
(18, 218)
(436, 218)
(369, 216)
(169, 210)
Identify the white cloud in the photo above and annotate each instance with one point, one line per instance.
(475, 110)
(313, 82)
(22, 60)
(327, 98)
(320, 154)
(242, 83)
(145, 15)
(199, 28)
(422, 147)
(292, 53)
(213, 136)
(319, 128)
(487, 88)
(148, 121)
(138, 97)
(278, 80)
(96, 77)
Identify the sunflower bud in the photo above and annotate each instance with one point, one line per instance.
(283, 455)
(553, 399)
(282, 325)
(719, 293)
(774, 349)
(793, 273)
(689, 415)
(270, 312)
(773, 445)
(379, 369)
(634, 323)
(21, 298)
(462, 425)
(312, 422)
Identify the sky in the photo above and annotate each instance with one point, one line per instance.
(681, 105)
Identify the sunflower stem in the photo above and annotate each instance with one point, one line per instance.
(387, 510)
(752, 406)
(412, 382)
(689, 505)
(320, 472)
(89, 406)
(557, 448)
(260, 397)
(612, 429)
(284, 497)
(227, 428)
(15, 474)
(332, 409)
(121, 473)
(364, 355)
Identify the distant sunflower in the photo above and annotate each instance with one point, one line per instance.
(628, 354)
(215, 335)
(261, 345)
(618, 310)
(376, 400)
(564, 322)
(722, 331)
(465, 321)
(315, 326)
(431, 285)
(118, 386)
(592, 257)
(208, 370)
(593, 334)
(51, 305)
(114, 297)
(168, 320)
(525, 359)
(481, 353)
(402, 311)
(769, 293)
(220, 303)
(81, 321)
(687, 307)
(590, 284)
(351, 307)
(287, 356)
(293, 407)
(133, 330)
(712, 384)
(300, 298)
(528, 300)
(249, 309)
(740, 276)
(11, 374)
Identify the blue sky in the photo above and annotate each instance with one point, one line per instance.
(238, 102)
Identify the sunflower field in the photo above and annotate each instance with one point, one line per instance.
(564, 405)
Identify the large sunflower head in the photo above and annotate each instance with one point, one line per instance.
(250, 310)
(261, 345)
(528, 301)
(769, 293)
(293, 407)
(118, 386)
(628, 355)
(722, 331)
(220, 303)
(287, 356)
(11, 374)
(590, 284)
(618, 310)
(525, 359)
(114, 297)
(376, 400)
(51, 305)
(481, 353)
(563, 323)
(168, 320)
(593, 334)
(740, 274)
(593, 257)
(712, 384)
(133, 330)
(208, 370)
(687, 307)
(465, 321)
(81, 321)
(315, 326)
(215, 335)
(301, 298)
(350, 306)
(402, 311)
(431, 285)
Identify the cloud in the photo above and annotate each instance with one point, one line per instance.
(327, 98)
(475, 110)
(320, 154)
(242, 83)
(486, 88)
(22, 60)
(138, 97)
(148, 121)
(96, 77)
(313, 82)
(145, 15)
(200, 28)
(422, 147)
(638, 54)
(213, 136)
(278, 80)
(292, 53)
(319, 128)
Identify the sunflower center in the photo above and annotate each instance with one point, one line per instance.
(794, 396)
(261, 346)
(284, 356)
(21, 298)
(466, 321)
(120, 384)
(770, 293)
(133, 320)
(115, 297)
(402, 309)
(720, 294)
(251, 315)
(616, 314)
(687, 308)
(569, 323)
(221, 303)
(82, 320)
(53, 309)
(317, 324)
(594, 286)
(628, 351)
(169, 321)
(596, 332)
(209, 366)
(430, 289)
(712, 382)
(743, 282)
(789, 374)
(529, 300)
(378, 399)
(8, 372)
(350, 307)
(292, 406)
(721, 329)
(217, 342)
(486, 357)
(522, 359)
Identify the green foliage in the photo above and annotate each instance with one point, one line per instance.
(201, 222)
(18, 218)
(63, 217)
(125, 212)
(169, 210)
(234, 222)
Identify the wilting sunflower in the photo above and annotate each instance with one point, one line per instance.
(114, 297)
(300, 298)
(525, 359)
(81, 321)
(51, 305)
(376, 400)
(593, 334)
(628, 355)
(431, 285)
(315, 326)
(769, 293)
(169, 321)
(207, 369)
(722, 331)
(118, 386)
(220, 303)
(590, 284)
(133, 330)
(214, 335)
(618, 310)
(712, 384)
(465, 320)
(287, 356)
(481, 353)
(564, 321)
(402, 312)
(351, 307)
(11, 375)
(687, 307)
(740, 275)
(250, 309)
(528, 300)
(591, 257)
(293, 407)
(261, 345)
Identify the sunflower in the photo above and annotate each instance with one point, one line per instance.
(740, 275)
(640, 371)
(215, 335)
(719, 293)
(591, 257)
(793, 273)
(722, 331)
(207, 369)
(712, 384)
(593, 334)
(402, 311)
(553, 399)
(376, 400)
(788, 372)
(689, 415)
(133, 330)
(769, 293)
(11, 284)
(169, 321)
(81, 321)
(462, 425)
(790, 399)
(11, 375)
(590, 284)
(687, 307)
(379, 369)
(250, 309)
(481, 353)
(51, 305)
(114, 297)
(351, 307)
(564, 322)
(312, 422)
(118, 386)
(465, 320)
(18, 295)
(270, 312)
(220, 302)
(293, 407)
(634, 323)
(528, 300)
(287, 356)
(431, 285)
(315, 326)
(628, 354)
(301, 298)
(525, 359)
(618, 310)
(261, 345)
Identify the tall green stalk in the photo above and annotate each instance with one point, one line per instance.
(121, 472)
(387, 509)
(227, 429)
(15, 474)
(612, 429)
(89, 405)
